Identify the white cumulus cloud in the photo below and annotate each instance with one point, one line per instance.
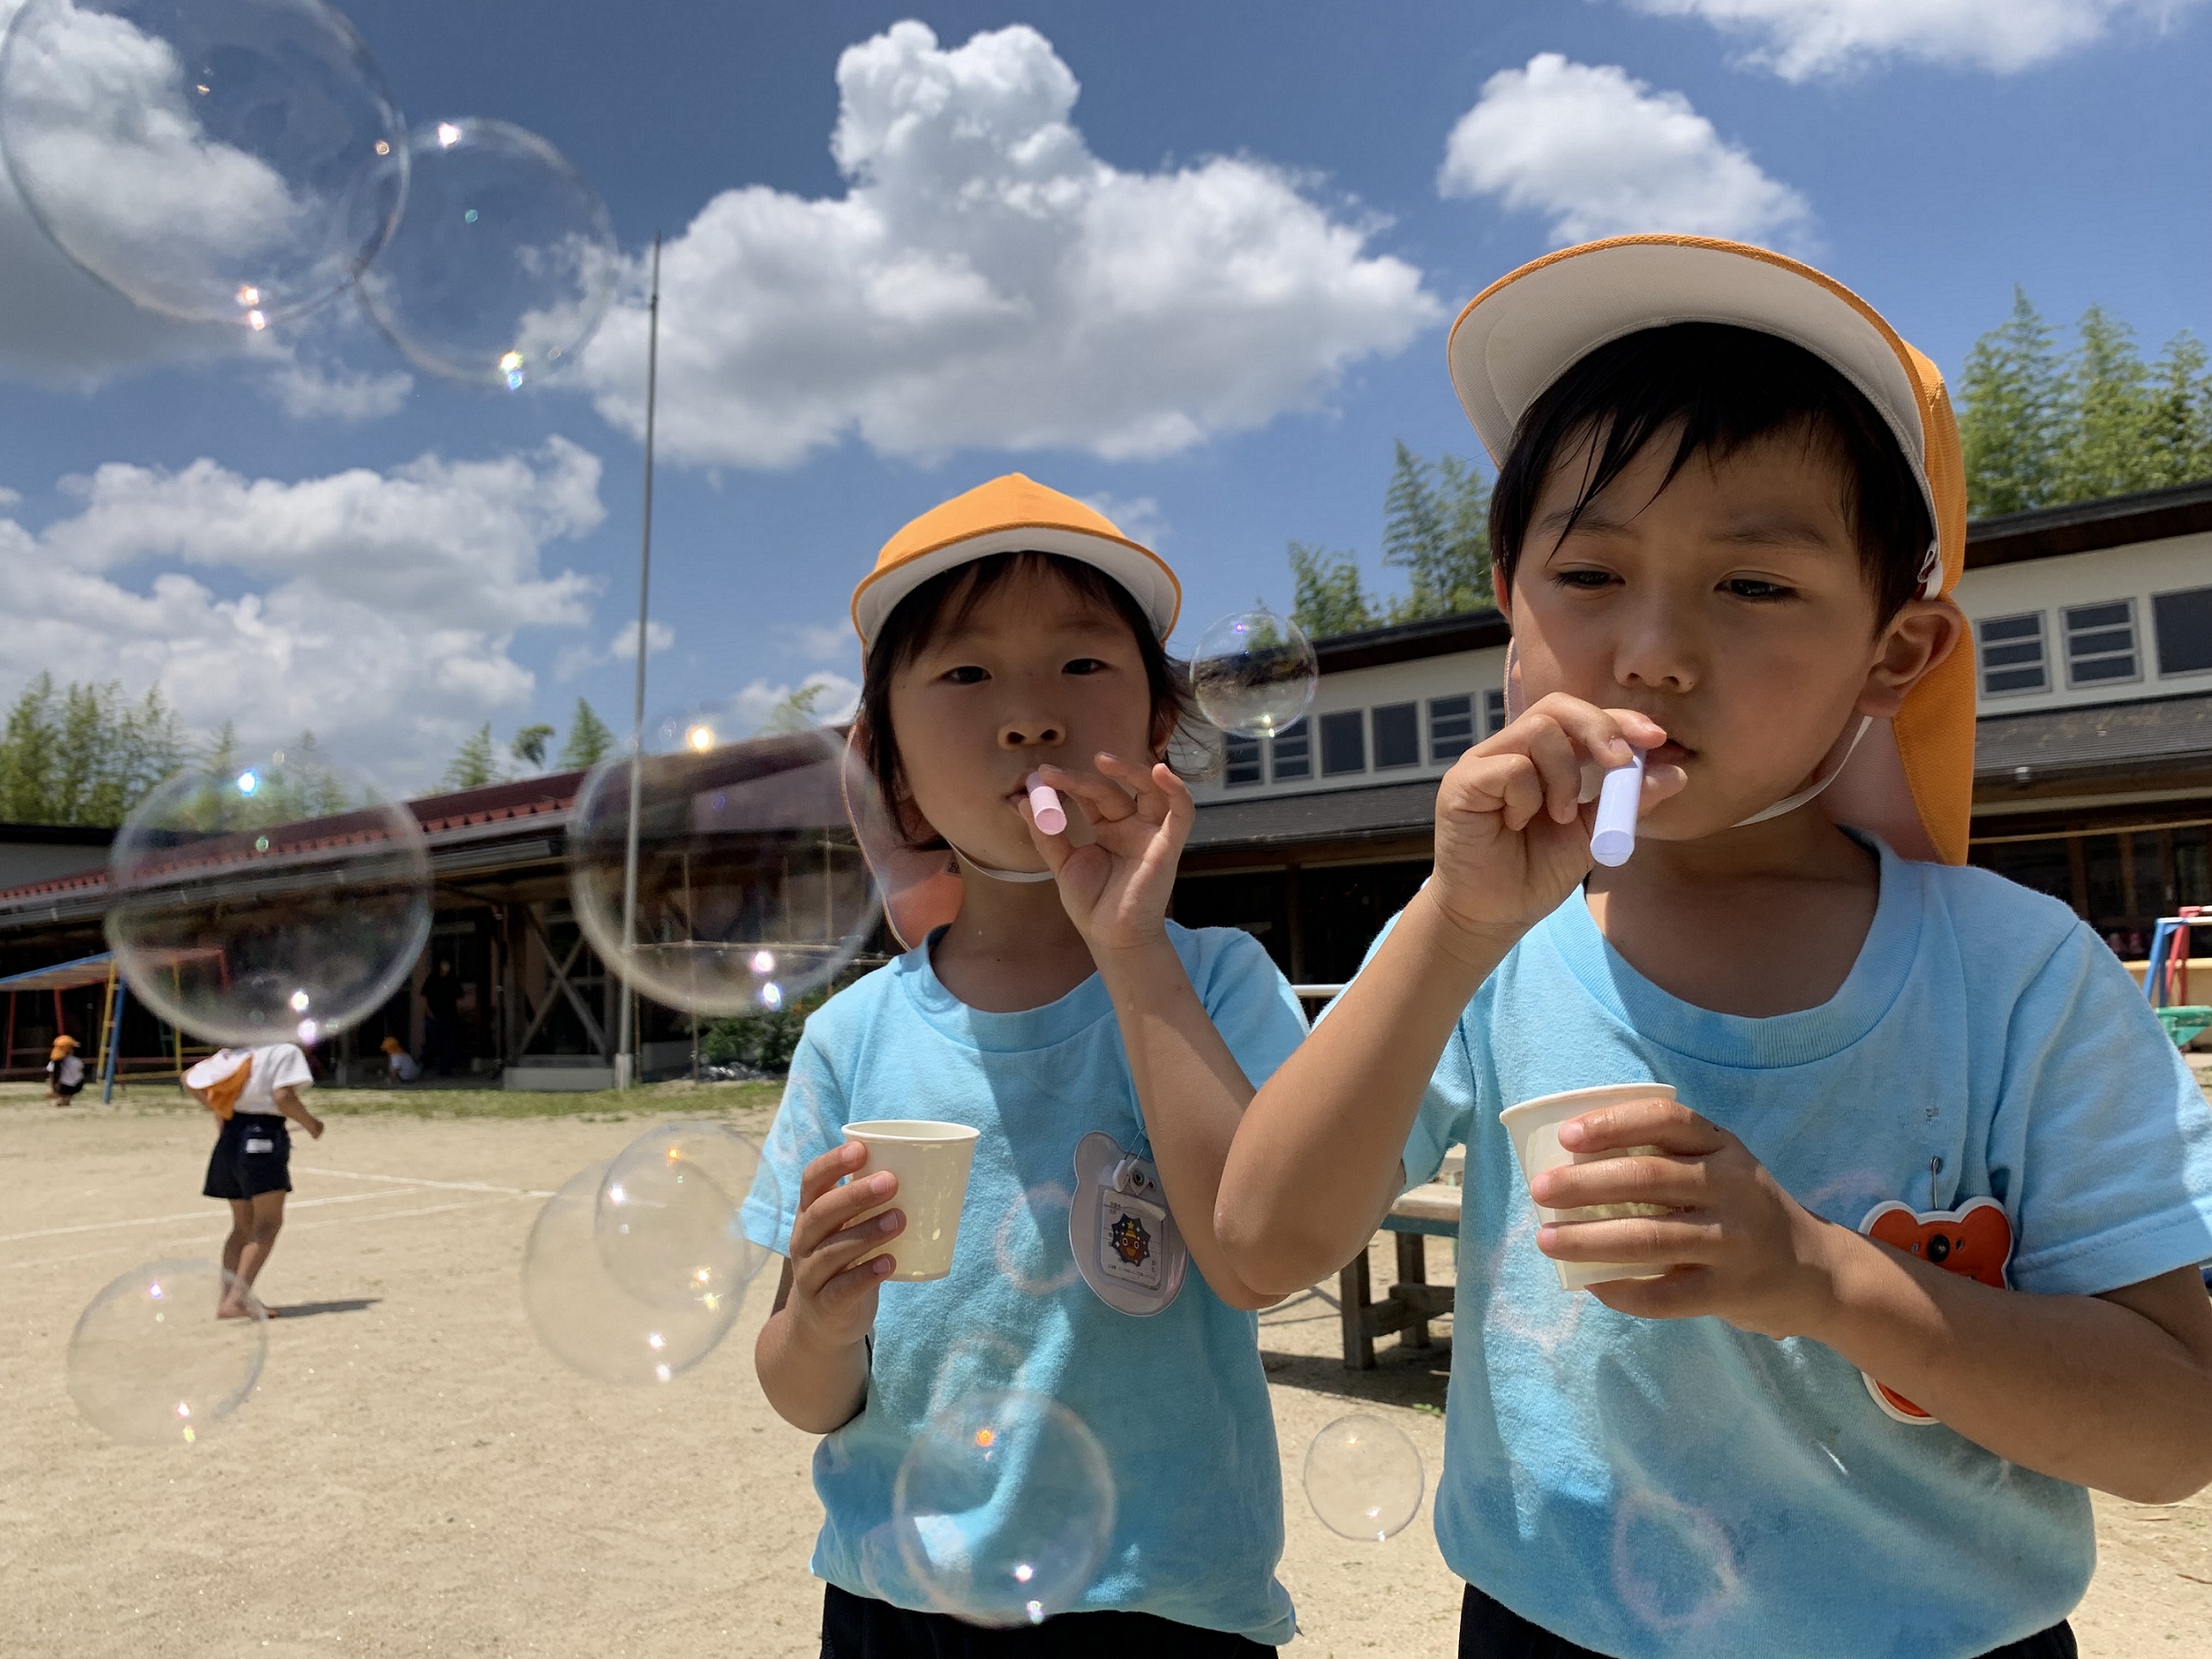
(1599, 152)
(985, 280)
(1802, 38)
(378, 609)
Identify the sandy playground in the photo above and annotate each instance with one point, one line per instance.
(415, 1476)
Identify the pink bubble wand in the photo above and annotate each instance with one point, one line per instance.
(1044, 806)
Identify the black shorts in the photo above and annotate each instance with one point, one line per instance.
(252, 1156)
(1491, 1630)
(69, 1091)
(857, 1628)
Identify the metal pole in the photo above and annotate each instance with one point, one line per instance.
(625, 1059)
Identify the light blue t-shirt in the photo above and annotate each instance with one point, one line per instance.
(1655, 1487)
(1177, 1399)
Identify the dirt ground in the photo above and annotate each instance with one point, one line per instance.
(415, 1476)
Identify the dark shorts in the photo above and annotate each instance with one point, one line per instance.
(68, 1090)
(252, 1156)
(855, 1627)
(1491, 1630)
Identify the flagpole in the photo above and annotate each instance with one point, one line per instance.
(625, 1058)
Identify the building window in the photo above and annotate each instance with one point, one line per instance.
(1451, 728)
(1493, 713)
(1343, 742)
(2012, 654)
(2182, 623)
(1294, 751)
(2101, 643)
(1397, 735)
(1241, 768)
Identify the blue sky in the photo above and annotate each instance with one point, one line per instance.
(1264, 219)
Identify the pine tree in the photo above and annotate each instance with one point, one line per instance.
(2013, 413)
(1328, 598)
(1436, 527)
(798, 712)
(529, 745)
(589, 740)
(474, 764)
(2177, 417)
(2107, 449)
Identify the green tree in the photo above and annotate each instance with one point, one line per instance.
(220, 758)
(474, 764)
(2177, 417)
(529, 745)
(589, 740)
(799, 712)
(1436, 527)
(2107, 448)
(2013, 413)
(85, 754)
(1328, 598)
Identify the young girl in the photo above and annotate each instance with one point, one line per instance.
(252, 1092)
(1014, 633)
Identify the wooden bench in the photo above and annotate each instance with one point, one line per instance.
(1427, 1212)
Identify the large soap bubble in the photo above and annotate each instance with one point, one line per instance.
(218, 161)
(274, 903)
(751, 887)
(1364, 1477)
(587, 1320)
(1254, 673)
(151, 1363)
(502, 264)
(667, 1215)
(1003, 1509)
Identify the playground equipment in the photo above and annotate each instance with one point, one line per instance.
(2166, 975)
(99, 970)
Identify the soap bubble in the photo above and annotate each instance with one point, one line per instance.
(1003, 1509)
(751, 888)
(586, 1319)
(667, 1215)
(277, 903)
(149, 1362)
(218, 161)
(503, 262)
(1364, 1477)
(1254, 673)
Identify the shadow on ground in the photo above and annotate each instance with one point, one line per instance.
(309, 1309)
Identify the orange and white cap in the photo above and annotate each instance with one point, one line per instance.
(1012, 514)
(1910, 779)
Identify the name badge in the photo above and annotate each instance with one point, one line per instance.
(1125, 1240)
(260, 1146)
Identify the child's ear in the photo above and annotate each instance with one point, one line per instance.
(1912, 643)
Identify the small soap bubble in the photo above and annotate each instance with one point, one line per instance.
(218, 161)
(504, 262)
(152, 1362)
(668, 1215)
(276, 903)
(587, 1320)
(751, 887)
(1254, 673)
(1003, 1509)
(1364, 1477)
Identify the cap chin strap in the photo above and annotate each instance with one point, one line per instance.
(1792, 803)
(1000, 875)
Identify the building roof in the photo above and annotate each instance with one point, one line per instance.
(2050, 532)
(1372, 813)
(56, 835)
(2112, 736)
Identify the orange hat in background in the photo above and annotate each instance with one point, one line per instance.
(1012, 514)
(1910, 780)
(63, 1044)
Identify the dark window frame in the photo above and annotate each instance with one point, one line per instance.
(1985, 670)
(1399, 726)
(1451, 727)
(1335, 726)
(1298, 738)
(2095, 668)
(2201, 596)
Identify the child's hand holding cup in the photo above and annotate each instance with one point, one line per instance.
(932, 1161)
(1535, 1125)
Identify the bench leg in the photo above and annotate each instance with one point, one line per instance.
(1413, 1269)
(1353, 1291)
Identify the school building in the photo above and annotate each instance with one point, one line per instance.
(2093, 768)
(2093, 636)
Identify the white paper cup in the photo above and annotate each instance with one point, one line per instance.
(932, 1161)
(1534, 1127)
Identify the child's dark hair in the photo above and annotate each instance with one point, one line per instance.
(1727, 387)
(948, 600)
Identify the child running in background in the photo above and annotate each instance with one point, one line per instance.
(1726, 542)
(64, 1071)
(252, 1092)
(1008, 632)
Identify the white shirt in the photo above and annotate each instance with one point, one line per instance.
(278, 1066)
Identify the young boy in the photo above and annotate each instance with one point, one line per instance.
(1725, 541)
(64, 1071)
